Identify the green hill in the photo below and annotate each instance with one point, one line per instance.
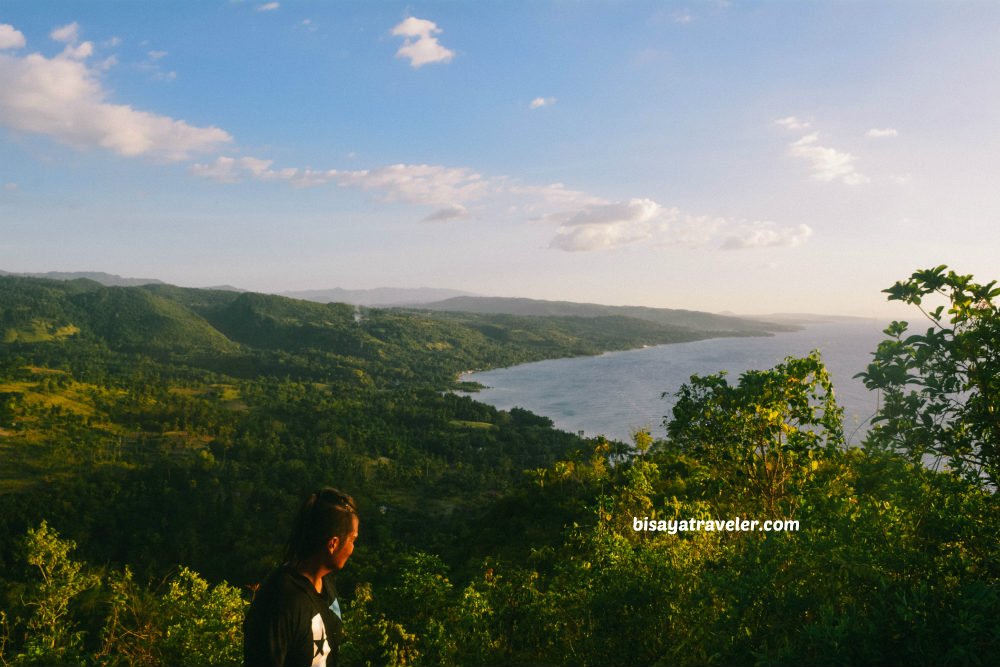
(134, 319)
(690, 319)
(246, 333)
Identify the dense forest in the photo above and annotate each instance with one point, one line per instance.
(155, 441)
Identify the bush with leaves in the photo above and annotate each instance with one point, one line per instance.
(122, 623)
(762, 435)
(51, 635)
(941, 389)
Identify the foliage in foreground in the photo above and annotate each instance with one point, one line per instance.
(72, 614)
(891, 562)
(942, 388)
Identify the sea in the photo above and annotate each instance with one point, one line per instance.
(617, 392)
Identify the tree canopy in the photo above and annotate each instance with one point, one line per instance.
(941, 388)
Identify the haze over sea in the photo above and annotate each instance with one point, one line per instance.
(616, 392)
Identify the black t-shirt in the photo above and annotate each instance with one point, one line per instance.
(289, 623)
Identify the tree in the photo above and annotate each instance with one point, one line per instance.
(52, 637)
(941, 389)
(762, 434)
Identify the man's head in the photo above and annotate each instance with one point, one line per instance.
(327, 525)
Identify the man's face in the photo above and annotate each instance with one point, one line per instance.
(341, 550)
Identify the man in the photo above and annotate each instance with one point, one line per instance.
(295, 616)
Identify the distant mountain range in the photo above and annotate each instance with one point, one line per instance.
(237, 333)
(106, 279)
(692, 319)
(378, 297)
(440, 299)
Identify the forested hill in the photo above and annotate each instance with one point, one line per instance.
(109, 279)
(244, 332)
(692, 319)
(156, 440)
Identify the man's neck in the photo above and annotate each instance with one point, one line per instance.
(314, 572)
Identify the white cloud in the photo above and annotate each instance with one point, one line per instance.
(10, 38)
(445, 187)
(156, 55)
(555, 194)
(79, 52)
(793, 123)
(596, 237)
(455, 212)
(62, 97)
(419, 184)
(828, 164)
(683, 16)
(887, 132)
(113, 42)
(603, 226)
(582, 221)
(269, 7)
(68, 34)
(766, 235)
(540, 102)
(108, 62)
(232, 170)
(632, 211)
(692, 230)
(10, 187)
(425, 48)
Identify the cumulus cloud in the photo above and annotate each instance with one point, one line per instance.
(540, 102)
(692, 231)
(231, 170)
(79, 51)
(419, 184)
(581, 222)
(10, 38)
(68, 34)
(828, 164)
(887, 132)
(421, 47)
(10, 187)
(63, 98)
(602, 226)
(455, 212)
(610, 225)
(555, 194)
(269, 7)
(596, 237)
(793, 123)
(766, 235)
(632, 211)
(432, 185)
(156, 55)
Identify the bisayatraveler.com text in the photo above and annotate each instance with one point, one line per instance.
(674, 526)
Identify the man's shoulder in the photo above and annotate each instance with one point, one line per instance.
(283, 588)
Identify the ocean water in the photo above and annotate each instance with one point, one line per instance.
(616, 392)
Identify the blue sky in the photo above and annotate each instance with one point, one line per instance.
(743, 156)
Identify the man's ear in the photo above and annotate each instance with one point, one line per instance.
(333, 544)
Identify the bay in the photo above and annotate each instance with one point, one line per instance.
(616, 392)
